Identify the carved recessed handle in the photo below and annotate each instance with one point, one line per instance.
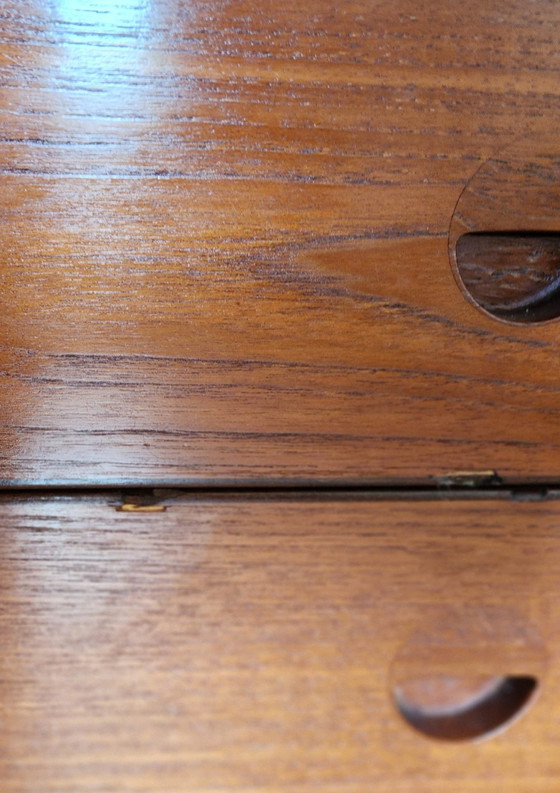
(468, 673)
(513, 275)
(504, 238)
(463, 708)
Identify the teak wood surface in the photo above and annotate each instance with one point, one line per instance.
(224, 240)
(251, 644)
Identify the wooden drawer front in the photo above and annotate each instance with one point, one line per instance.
(239, 644)
(224, 240)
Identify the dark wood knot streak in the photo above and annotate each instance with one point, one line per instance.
(276, 458)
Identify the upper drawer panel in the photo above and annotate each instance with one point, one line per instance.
(224, 241)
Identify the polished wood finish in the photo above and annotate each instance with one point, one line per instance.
(229, 256)
(252, 643)
(224, 241)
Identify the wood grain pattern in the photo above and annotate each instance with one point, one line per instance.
(223, 241)
(241, 644)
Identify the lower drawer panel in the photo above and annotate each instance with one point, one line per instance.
(237, 643)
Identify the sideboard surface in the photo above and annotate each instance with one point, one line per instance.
(250, 643)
